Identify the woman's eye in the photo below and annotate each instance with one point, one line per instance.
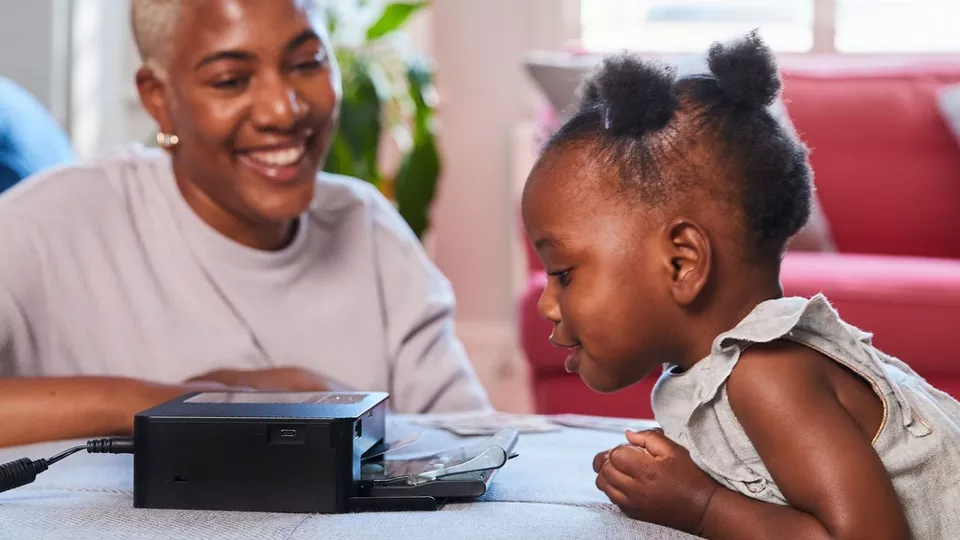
(312, 64)
(232, 83)
(309, 65)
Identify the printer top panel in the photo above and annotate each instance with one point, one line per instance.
(299, 405)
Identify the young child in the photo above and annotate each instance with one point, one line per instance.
(660, 211)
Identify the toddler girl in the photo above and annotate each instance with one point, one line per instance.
(660, 211)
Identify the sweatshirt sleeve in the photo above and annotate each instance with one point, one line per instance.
(430, 372)
(17, 273)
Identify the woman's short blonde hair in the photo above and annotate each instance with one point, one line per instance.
(153, 23)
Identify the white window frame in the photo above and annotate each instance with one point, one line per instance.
(824, 31)
(824, 26)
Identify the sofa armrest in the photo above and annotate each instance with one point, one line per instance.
(910, 304)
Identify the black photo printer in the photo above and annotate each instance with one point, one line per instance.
(305, 452)
(256, 451)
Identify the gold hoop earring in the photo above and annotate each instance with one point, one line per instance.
(166, 140)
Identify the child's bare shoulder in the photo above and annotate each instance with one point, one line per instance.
(777, 368)
(783, 379)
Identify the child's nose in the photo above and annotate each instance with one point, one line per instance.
(547, 306)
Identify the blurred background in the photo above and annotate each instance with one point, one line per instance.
(871, 86)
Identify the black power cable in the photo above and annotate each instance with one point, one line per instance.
(24, 471)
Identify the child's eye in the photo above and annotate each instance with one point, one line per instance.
(563, 277)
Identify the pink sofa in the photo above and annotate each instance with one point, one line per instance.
(888, 179)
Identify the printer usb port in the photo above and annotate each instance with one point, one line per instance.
(287, 434)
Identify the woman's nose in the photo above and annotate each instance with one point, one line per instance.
(278, 106)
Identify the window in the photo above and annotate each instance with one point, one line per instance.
(897, 26)
(856, 26)
(692, 25)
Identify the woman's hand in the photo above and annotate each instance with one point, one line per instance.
(653, 479)
(286, 379)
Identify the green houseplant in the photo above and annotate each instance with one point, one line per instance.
(388, 94)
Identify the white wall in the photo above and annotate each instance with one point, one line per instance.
(33, 50)
(479, 47)
(104, 112)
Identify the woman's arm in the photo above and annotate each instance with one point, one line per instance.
(45, 409)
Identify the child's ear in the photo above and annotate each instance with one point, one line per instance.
(690, 256)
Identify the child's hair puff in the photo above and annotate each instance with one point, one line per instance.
(745, 71)
(636, 98)
(666, 136)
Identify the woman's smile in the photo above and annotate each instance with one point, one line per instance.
(280, 163)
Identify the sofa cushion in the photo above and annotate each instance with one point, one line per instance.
(948, 101)
(567, 394)
(911, 305)
(886, 165)
(815, 235)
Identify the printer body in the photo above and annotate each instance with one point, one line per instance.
(256, 451)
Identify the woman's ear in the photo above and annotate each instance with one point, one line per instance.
(152, 87)
(690, 258)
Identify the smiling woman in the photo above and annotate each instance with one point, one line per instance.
(253, 108)
(222, 259)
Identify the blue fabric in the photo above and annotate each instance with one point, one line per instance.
(30, 139)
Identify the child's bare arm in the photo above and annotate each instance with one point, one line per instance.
(820, 458)
(653, 479)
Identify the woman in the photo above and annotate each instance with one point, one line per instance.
(223, 260)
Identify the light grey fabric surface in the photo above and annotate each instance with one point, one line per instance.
(548, 490)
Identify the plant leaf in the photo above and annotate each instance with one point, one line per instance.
(333, 21)
(393, 17)
(340, 159)
(360, 122)
(416, 184)
(416, 180)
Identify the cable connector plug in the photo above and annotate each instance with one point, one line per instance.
(24, 471)
(20, 472)
(115, 445)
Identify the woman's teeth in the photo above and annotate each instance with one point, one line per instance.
(279, 158)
